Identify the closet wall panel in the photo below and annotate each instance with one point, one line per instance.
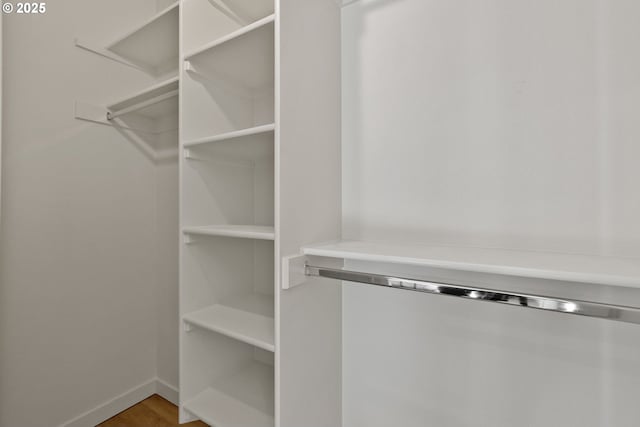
(493, 124)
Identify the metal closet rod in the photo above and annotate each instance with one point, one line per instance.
(618, 313)
(139, 106)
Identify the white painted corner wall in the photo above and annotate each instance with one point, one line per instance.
(485, 123)
(88, 274)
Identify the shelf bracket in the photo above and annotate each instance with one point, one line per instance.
(112, 56)
(210, 78)
(186, 326)
(187, 239)
(98, 114)
(293, 271)
(91, 113)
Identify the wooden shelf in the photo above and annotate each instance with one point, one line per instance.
(169, 106)
(544, 265)
(154, 43)
(244, 57)
(258, 232)
(244, 133)
(241, 400)
(248, 318)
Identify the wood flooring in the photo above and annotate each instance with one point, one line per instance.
(151, 412)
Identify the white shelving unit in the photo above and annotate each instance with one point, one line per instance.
(258, 123)
(260, 147)
(228, 342)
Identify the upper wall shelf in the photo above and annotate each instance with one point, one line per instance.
(154, 43)
(151, 47)
(543, 265)
(244, 57)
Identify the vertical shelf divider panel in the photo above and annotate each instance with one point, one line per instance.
(259, 179)
(227, 256)
(308, 208)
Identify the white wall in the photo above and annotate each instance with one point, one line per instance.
(80, 284)
(489, 123)
(167, 271)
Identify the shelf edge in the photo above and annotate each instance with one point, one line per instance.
(256, 130)
(242, 234)
(236, 34)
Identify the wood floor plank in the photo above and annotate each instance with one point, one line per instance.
(151, 412)
(164, 409)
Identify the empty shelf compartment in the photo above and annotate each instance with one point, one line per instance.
(244, 57)
(241, 400)
(247, 318)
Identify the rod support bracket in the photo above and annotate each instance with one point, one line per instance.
(293, 271)
(186, 326)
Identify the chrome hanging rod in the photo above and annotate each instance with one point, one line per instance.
(576, 307)
(139, 106)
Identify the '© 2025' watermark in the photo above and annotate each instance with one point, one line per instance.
(24, 8)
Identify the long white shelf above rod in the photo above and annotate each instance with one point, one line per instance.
(599, 270)
(608, 271)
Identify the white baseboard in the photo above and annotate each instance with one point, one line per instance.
(167, 391)
(125, 400)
